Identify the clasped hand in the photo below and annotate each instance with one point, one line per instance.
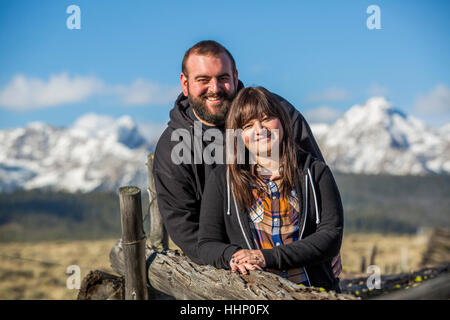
(245, 260)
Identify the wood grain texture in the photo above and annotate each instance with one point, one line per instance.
(177, 276)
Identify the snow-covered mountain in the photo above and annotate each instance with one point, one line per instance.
(95, 153)
(376, 138)
(101, 153)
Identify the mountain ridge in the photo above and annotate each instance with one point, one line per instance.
(376, 138)
(100, 153)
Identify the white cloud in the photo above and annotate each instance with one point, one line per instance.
(378, 90)
(330, 94)
(323, 114)
(143, 92)
(437, 101)
(24, 93)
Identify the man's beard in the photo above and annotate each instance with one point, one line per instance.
(199, 106)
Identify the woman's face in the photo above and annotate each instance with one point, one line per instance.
(262, 136)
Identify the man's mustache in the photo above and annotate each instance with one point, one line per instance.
(215, 95)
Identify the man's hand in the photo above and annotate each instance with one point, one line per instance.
(244, 260)
(336, 265)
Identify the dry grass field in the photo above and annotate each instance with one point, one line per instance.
(40, 271)
(38, 277)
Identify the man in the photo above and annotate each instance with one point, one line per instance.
(209, 81)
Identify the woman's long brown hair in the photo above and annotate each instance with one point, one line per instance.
(257, 103)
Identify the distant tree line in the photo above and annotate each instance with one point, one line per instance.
(386, 204)
(394, 204)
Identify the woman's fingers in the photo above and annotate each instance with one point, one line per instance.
(241, 254)
(249, 256)
(233, 265)
(242, 269)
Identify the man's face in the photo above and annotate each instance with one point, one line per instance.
(210, 86)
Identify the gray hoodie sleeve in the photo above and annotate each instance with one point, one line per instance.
(177, 201)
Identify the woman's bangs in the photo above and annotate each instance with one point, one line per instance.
(254, 108)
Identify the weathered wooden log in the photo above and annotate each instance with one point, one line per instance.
(133, 242)
(99, 285)
(158, 235)
(176, 275)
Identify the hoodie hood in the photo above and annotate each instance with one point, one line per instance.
(306, 158)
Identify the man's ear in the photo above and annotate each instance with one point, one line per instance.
(184, 83)
(236, 79)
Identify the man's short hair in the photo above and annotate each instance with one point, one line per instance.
(207, 48)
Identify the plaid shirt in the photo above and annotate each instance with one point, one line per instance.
(274, 221)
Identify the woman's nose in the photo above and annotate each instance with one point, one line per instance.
(259, 129)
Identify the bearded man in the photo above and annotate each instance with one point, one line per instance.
(209, 81)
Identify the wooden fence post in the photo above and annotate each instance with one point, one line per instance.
(158, 234)
(133, 242)
(363, 264)
(373, 253)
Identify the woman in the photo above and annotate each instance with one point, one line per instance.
(282, 211)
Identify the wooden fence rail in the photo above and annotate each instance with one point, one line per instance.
(176, 276)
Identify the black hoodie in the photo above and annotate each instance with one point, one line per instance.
(225, 229)
(179, 187)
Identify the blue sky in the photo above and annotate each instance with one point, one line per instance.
(126, 57)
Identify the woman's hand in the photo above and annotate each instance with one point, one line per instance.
(244, 260)
(243, 267)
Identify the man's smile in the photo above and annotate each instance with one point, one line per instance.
(213, 101)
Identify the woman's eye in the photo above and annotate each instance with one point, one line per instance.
(247, 125)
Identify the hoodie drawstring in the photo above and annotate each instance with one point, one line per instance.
(228, 194)
(314, 194)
